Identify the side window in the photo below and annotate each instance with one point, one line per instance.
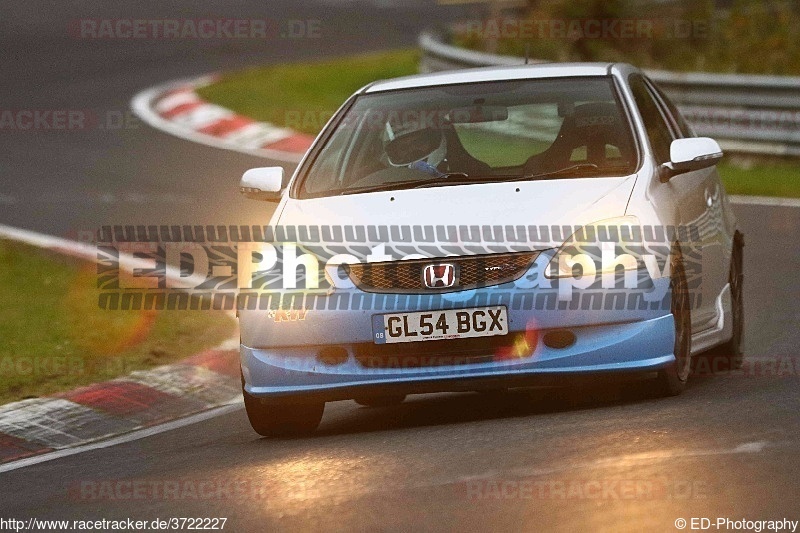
(658, 130)
(680, 123)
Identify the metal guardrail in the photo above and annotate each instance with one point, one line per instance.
(745, 113)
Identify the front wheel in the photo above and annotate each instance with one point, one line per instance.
(282, 417)
(673, 378)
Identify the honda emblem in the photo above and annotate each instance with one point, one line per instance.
(440, 276)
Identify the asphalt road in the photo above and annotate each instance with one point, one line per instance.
(613, 458)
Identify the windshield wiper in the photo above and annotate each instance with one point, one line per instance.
(400, 185)
(504, 178)
(579, 166)
(447, 179)
(381, 187)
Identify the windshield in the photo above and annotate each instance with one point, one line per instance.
(564, 128)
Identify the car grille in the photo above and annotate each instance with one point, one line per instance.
(446, 352)
(472, 271)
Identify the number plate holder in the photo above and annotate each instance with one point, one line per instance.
(444, 324)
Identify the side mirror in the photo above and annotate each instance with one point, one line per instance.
(264, 183)
(690, 154)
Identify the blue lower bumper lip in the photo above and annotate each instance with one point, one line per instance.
(633, 347)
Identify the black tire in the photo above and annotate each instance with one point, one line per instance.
(380, 401)
(282, 417)
(672, 379)
(732, 350)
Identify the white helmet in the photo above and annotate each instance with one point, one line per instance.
(433, 158)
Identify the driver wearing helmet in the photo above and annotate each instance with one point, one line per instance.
(429, 162)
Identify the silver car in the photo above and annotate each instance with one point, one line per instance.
(486, 229)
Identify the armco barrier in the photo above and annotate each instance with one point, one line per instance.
(745, 113)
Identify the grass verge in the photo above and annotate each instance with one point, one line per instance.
(302, 96)
(53, 335)
(769, 178)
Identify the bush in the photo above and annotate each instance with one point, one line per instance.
(744, 36)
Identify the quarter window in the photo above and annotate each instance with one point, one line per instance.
(683, 126)
(657, 128)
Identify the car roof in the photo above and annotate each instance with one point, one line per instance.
(476, 75)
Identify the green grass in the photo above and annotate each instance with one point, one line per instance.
(775, 178)
(53, 335)
(303, 96)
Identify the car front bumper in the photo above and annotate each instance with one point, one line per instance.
(598, 351)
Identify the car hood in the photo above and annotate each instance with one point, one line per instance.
(572, 202)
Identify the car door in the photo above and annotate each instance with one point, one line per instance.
(694, 195)
(716, 241)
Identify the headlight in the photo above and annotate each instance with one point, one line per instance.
(600, 247)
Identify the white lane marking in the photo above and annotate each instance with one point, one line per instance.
(772, 201)
(142, 106)
(621, 461)
(89, 252)
(365, 488)
(105, 197)
(751, 447)
(128, 437)
(625, 460)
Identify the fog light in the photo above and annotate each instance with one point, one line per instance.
(560, 338)
(332, 355)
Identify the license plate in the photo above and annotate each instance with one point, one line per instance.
(440, 325)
